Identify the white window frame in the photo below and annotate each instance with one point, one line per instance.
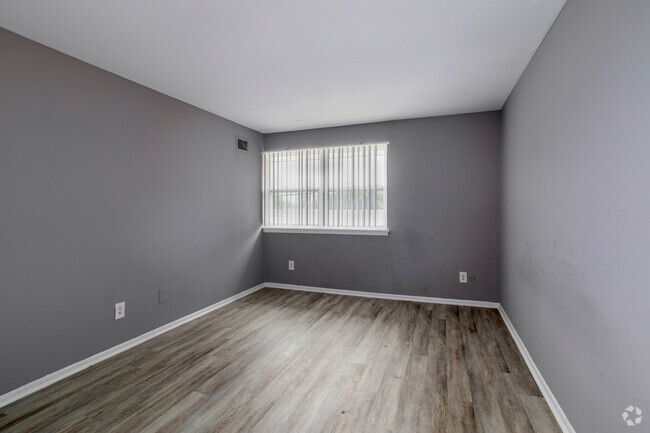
(328, 230)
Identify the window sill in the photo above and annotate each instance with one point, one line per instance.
(326, 231)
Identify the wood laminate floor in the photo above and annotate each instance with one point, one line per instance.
(283, 361)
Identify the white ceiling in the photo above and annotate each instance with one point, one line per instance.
(279, 65)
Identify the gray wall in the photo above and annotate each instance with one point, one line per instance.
(577, 211)
(109, 192)
(443, 215)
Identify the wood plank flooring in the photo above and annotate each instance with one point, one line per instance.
(287, 361)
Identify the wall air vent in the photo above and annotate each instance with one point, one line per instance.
(242, 144)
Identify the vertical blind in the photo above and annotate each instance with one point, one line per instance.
(335, 187)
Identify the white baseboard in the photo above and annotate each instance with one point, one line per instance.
(426, 299)
(559, 414)
(51, 378)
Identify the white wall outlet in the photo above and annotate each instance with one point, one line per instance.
(462, 277)
(291, 265)
(120, 310)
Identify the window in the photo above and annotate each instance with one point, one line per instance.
(328, 189)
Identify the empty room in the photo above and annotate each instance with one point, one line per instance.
(325, 216)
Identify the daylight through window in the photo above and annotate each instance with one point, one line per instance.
(329, 188)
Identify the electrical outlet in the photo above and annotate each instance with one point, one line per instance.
(462, 277)
(291, 265)
(120, 310)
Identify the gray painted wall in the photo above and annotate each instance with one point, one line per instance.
(444, 213)
(109, 192)
(577, 211)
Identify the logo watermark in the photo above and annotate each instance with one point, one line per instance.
(632, 416)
